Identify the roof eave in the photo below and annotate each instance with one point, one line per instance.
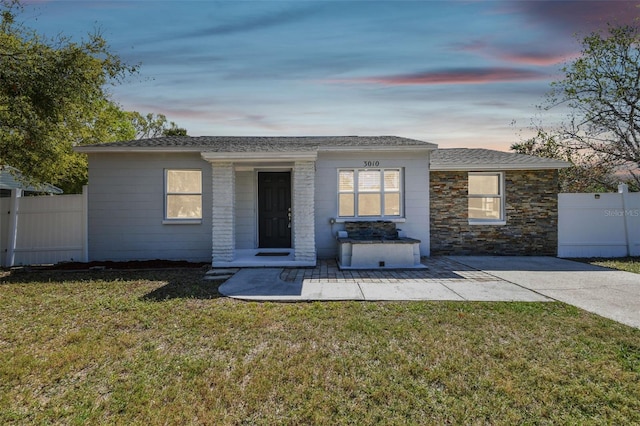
(204, 149)
(388, 148)
(490, 167)
(133, 149)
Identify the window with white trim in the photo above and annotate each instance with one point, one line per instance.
(370, 193)
(183, 194)
(486, 197)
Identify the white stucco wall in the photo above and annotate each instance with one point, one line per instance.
(416, 194)
(126, 209)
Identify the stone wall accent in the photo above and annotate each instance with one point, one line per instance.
(223, 213)
(304, 233)
(531, 209)
(371, 230)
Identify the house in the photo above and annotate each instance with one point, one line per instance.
(258, 201)
(12, 179)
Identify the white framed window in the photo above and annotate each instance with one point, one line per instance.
(486, 197)
(367, 193)
(183, 194)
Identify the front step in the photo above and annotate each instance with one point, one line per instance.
(220, 274)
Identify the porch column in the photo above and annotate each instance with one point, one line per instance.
(304, 233)
(223, 213)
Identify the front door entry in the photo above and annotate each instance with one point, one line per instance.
(274, 209)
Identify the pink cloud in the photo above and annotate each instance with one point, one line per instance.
(455, 76)
(511, 53)
(536, 58)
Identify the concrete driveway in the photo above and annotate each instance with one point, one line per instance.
(610, 293)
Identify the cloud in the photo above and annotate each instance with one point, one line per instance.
(581, 17)
(517, 54)
(254, 23)
(558, 24)
(452, 76)
(473, 46)
(535, 58)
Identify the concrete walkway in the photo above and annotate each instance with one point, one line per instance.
(609, 293)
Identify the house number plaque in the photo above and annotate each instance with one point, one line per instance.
(371, 163)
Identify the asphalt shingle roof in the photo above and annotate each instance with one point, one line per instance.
(441, 159)
(259, 144)
(488, 159)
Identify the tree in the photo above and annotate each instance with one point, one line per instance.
(174, 130)
(587, 173)
(601, 90)
(52, 98)
(154, 125)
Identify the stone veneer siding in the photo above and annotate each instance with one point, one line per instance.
(531, 209)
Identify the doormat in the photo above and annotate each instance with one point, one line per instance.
(268, 253)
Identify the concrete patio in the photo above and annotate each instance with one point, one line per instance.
(444, 279)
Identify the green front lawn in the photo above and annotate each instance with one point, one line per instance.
(160, 347)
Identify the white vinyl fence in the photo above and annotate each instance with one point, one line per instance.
(43, 229)
(599, 225)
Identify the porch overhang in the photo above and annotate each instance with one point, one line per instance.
(225, 165)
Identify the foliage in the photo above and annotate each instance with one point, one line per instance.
(113, 347)
(52, 98)
(601, 90)
(175, 131)
(588, 172)
(154, 125)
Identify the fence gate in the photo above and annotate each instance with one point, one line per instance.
(599, 225)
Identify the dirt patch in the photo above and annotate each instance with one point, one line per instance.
(134, 264)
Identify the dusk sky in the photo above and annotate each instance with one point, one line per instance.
(455, 73)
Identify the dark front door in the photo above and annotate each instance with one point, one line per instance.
(274, 209)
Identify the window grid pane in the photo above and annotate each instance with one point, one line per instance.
(368, 204)
(391, 180)
(184, 207)
(184, 182)
(392, 204)
(484, 184)
(346, 205)
(485, 208)
(369, 180)
(345, 181)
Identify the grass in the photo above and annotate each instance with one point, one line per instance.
(160, 347)
(629, 264)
